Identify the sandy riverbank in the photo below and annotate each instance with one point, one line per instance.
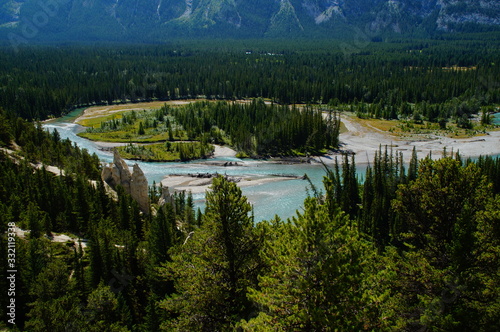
(223, 151)
(365, 142)
(98, 111)
(361, 140)
(200, 185)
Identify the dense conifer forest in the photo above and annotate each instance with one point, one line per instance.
(405, 249)
(38, 82)
(402, 248)
(253, 128)
(258, 129)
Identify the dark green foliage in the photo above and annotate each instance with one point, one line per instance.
(314, 277)
(102, 309)
(387, 76)
(183, 151)
(259, 129)
(442, 281)
(162, 234)
(490, 166)
(379, 189)
(141, 129)
(39, 146)
(55, 308)
(215, 264)
(315, 271)
(46, 204)
(342, 191)
(438, 205)
(435, 227)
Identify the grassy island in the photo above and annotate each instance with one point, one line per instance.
(185, 132)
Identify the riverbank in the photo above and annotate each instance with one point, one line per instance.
(361, 140)
(365, 142)
(199, 183)
(282, 197)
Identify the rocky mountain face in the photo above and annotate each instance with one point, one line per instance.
(469, 11)
(134, 183)
(168, 19)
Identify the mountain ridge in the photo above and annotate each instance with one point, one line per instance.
(160, 20)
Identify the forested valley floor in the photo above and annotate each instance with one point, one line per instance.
(411, 247)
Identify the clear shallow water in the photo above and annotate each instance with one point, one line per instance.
(281, 198)
(496, 118)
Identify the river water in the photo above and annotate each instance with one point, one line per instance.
(282, 198)
(496, 118)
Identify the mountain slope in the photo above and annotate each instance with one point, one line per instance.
(157, 20)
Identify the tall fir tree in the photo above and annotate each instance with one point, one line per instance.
(314, 276)
(215, 265)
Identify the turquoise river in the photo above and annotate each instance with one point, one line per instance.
(282, 198)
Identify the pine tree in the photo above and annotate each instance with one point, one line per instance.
(56, 306)
(413, 167)
(442, 195)
(32, 219)
(102, 310)
(214, 266)
(160, 236)
(315, 277)
(446, 209)
(141, 130)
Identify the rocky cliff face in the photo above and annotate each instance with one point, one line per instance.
(453, 13)
(135, 183)
(117, 173)
(139, 188)
(165, 19)
(166, 197)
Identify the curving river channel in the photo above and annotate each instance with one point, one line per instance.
(282, 198)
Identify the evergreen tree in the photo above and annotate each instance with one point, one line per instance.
(437, 205)
(141, 130)
(56, 307)
(214, 266)
(161, 234)
(413, 167)
(102, 311)
(377, 218)
(314, 279)
(446, 210)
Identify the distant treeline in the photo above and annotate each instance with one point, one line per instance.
(41, 81)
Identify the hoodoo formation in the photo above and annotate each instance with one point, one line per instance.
(134, 183)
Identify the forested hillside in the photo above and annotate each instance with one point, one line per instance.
(32, 21)
(406, 249)
(39, 82)
(398, 248)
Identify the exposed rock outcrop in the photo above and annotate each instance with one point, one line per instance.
(154, 19)
(139, 188)
(166, 197)
(117, 173)
(135, 183)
